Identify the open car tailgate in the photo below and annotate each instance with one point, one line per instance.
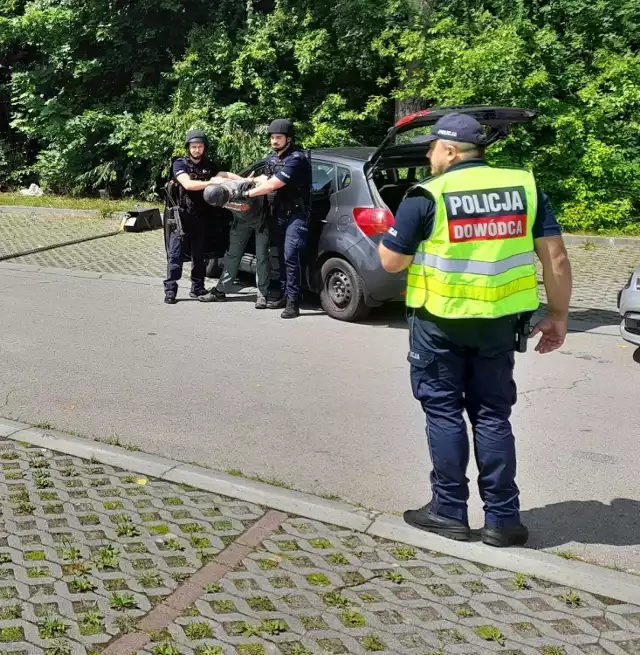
(496, 120)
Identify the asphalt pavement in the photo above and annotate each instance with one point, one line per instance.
(318, 405)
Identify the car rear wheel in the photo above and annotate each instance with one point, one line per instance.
(342, 295)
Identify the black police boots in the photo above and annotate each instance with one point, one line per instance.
(198, 294)
(505, 537)
(425, 519)
(170, 298)
(292, 310)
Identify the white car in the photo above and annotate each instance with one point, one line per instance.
(629, 306)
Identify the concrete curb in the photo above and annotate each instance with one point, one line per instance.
(259, 493)
(576, 575)
(72, 272)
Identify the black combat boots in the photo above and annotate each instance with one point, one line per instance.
(292, 310)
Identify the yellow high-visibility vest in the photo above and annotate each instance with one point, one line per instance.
(478, 262)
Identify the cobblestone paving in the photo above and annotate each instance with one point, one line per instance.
(23, 231)
(128, 253)
(313, 588)
(599, 271)
(87, 549)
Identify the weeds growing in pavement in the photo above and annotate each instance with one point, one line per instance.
(121, 602)
(521, 582)
(404, 553)
(52, 627)
(195, 631)
(91, 623)
(490, 633)
(59, 648)
(567, 554)
(166, 648)
(572, 599)
(108, 557)
(393, 576)
(373, 644)
(125, 526)
(81, 584)
(336, 599)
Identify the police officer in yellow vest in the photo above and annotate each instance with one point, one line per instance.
(468, 236)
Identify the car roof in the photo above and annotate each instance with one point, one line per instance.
(348, 155)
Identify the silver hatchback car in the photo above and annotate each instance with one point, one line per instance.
(629, 307)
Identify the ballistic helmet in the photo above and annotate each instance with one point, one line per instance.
(195, 136)
(281, 126)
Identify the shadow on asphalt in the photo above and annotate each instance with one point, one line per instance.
(581, 320)
(394, 315)
(585, 522)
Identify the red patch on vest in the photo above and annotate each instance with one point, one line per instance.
(488, 229)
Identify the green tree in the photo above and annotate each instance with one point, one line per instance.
(99, 93)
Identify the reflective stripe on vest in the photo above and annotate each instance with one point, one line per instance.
(479, 260)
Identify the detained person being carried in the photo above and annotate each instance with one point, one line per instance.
(249, 217)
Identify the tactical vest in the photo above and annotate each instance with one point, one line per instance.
(192, 202)
(479, 260)
(293, 198)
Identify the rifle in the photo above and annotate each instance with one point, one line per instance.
(172, 212)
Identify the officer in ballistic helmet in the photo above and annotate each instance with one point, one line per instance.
(193, 174)
(287, 183)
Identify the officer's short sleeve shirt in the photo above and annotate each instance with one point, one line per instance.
(415, 219)
(204, 166)
(295, 168)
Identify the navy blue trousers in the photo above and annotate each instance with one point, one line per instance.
(467, 365)
(175, 248)
(292, 239)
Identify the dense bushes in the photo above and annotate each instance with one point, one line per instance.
(98, 93)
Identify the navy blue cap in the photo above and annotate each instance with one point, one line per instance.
(455, 127)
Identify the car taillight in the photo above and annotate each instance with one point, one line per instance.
(372, 220)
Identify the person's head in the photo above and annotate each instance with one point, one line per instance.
(281, 133)
(454, 138)
(217, 195)
(196, 144)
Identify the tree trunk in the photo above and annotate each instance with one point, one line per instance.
(412, 105)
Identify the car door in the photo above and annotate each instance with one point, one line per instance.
(323, 187)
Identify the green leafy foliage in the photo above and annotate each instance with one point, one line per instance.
(95, 97)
